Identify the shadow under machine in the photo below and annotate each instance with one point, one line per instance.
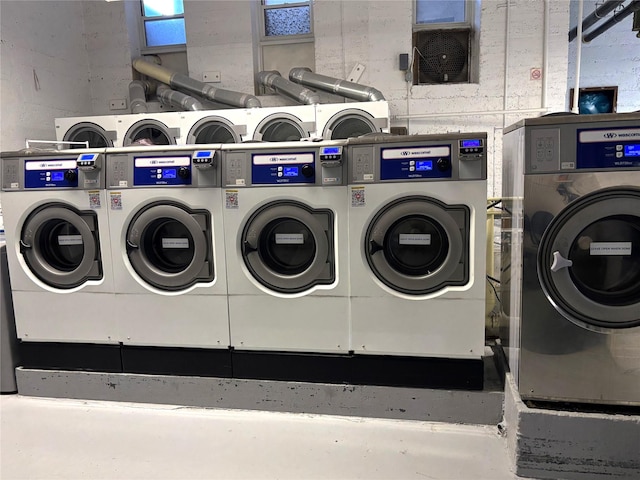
(571, 257)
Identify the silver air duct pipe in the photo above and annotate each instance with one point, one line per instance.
(182, 82)
(177, 99)
(274, 80)
(596, 15)
(617, 17)
(138, 90)
(304, 76)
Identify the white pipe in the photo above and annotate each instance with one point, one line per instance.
(505, 91)
(545, 56)
(465, 114)
(576, 89)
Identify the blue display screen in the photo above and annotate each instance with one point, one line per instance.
(87, 156)
(57, 176)
(203, 154)
(632, 150)
(331, 150)
(424, 165)
(290, 172)
(471, 143)
(169, 173)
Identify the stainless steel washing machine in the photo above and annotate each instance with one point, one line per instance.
(571, 257)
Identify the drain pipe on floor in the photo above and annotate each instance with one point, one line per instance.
(177, 99)
(274, 80)
(179, 81)
(362, 93)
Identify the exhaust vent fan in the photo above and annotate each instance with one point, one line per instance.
(442, 56)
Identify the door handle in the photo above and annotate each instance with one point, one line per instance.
(559, 262)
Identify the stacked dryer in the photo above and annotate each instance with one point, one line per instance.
(348, 120)
(417, 228)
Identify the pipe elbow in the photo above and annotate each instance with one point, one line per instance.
(375, 95)
(252, 102)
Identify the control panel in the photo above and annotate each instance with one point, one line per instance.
(89, 162)
(471, 149)
(608, 148)
(402, 163)
(545, 151)
(58, 173)
(278, 168)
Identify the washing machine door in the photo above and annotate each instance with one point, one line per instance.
(61, 245)
(94, 135)
(352, 123)
(589, 260)
(169, 246)
(419, 245)
(288, 247)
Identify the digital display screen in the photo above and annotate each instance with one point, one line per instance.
(203, 154)
(57, 176)
(290, 172)
(632, 150)
(424, 165)
(331, 150)
(471, 143)
(87, 156)
(169, 173)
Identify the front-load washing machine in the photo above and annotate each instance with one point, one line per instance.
(99, 131)
(165, 219)
(286, 224)
(417, 227)
(214, 126)
(158, 128)
(281, 124)
(346, 120)
(571, 257)
(58, 246)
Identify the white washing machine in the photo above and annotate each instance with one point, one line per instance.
(286, 224)
(345, 120)
(417, 227)
(58, 245)
(214, 126)
(281, 124)
(99, 131)
(164, 128)
(166, 227)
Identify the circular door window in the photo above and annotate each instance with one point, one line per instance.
(212, 130)
(61, 246)
(280, 128)
(348, 125)
(96, 136)
(169, 246)
(288, 246)
(418, 245)
(589, 260)
(147, 132)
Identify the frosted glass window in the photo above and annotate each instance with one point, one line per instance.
(165, 32)
(287, 21)
(162, 8)
(439, 11)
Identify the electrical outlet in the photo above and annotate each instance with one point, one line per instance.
(211, 77)
(118, 104)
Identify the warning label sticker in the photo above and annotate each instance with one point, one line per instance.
(116, 201)
(357, 197)
(231, 197)
(94, 199)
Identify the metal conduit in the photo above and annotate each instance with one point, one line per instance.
(617, 17)
(138, 90)
(177, 99)
(179, 81)
(596, 15)
(363, 93)
(274, 80)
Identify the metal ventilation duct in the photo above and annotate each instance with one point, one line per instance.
(362, 93)
(182, 82)
(617, 17)
(138, 90)
(177, 99)
(596, 15)
(274, 80)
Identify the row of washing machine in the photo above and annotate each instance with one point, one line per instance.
(257, 256)
(272, 124)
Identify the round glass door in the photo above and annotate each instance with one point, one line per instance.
(213, 130)
(148, 132)
(418, 245)
(348, 126)
(61, 246)
(589, 260)
(288, 247)
(88, 132)
(169, 246)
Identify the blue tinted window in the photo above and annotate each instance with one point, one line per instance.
(165, 32)
(438, 11)
(162, 8)
(287, 21)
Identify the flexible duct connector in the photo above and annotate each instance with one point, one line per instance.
(274, 80)
(179, 81)
(138, 96)
(177, 99)
(304, 76)
(596, 15)
(617, 17)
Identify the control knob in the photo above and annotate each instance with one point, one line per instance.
(307, 171)
(70, 175)
(443, 164)
(184, 172)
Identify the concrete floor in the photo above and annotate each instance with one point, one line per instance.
(73, 439)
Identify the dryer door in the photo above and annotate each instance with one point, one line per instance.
(61, 246)
(418, 245)
(589, 260)
(288, 247)
(169, 246)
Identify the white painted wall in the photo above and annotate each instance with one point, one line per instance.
(612, 59)
(44, 68)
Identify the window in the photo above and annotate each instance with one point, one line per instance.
(444, 42)
(163, 27)
(286, 18)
